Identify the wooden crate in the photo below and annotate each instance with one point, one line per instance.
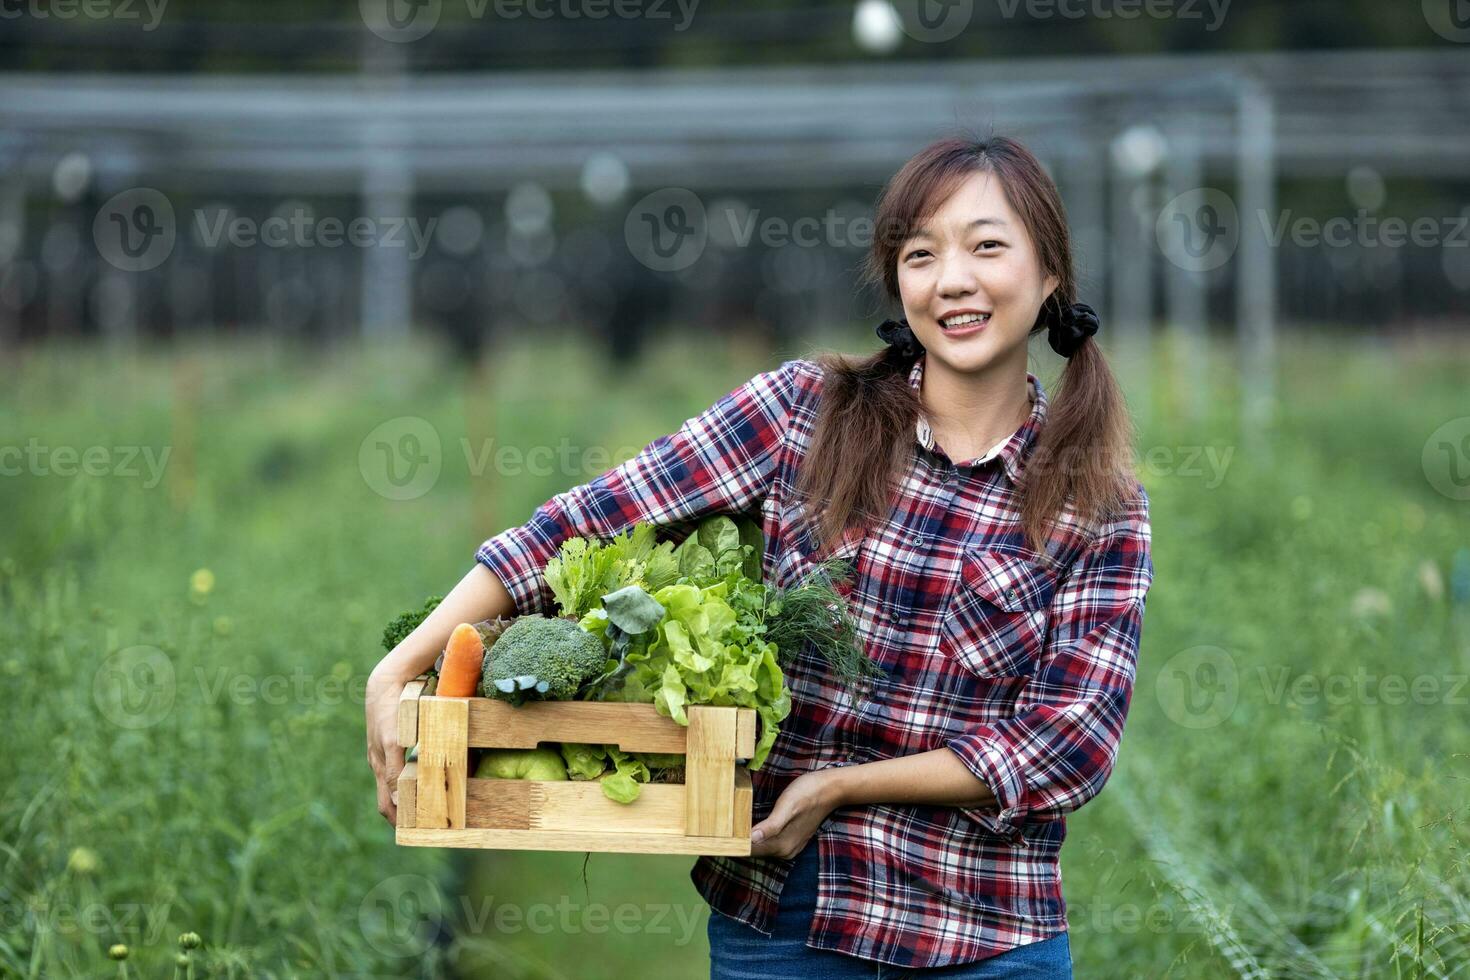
(439, 805)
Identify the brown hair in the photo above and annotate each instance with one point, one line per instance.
(868, 409)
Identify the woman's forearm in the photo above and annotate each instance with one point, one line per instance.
(935, 777)
(479, 595)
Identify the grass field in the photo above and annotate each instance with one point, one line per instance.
(183, 641)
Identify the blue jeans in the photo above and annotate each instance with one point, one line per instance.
(738, 952)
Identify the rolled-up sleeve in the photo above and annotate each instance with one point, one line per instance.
(1058, 750)
(721, 461)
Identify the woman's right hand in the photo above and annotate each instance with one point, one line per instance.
(479, 595)
(385, 755)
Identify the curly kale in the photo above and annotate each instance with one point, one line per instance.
(408, 622)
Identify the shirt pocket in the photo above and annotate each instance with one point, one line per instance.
(797, 555)
(996, 622)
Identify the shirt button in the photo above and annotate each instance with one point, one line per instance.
(1013, 594)
(893, 617)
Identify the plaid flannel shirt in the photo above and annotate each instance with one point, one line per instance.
(1022, 663)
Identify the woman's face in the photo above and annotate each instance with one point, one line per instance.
(973, 260)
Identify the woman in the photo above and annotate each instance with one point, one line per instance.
(1000, 547)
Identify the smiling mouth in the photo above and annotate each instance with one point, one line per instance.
(964, 320)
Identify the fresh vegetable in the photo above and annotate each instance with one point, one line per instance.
(584, 572)
(408, 622)
(535, 655)
(707, 649)
(459, 677)
(492, 629)
(814, 611)
(537, 763)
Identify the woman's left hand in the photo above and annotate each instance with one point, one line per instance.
(799, 811)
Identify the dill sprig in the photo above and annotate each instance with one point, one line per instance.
(814, 611)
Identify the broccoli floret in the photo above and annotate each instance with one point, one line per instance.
(535, 656)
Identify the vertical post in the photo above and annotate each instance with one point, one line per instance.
(1256, 284)
(1131, 260)
(387, 193)
(1185, 288)
(443, 764)
(709, 772)
(1086, 197)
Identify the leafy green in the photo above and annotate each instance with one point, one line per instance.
(584, 760)
(397, 630)
(584, 571)
(694, 624)
(814, 611)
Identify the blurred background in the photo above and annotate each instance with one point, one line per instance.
(299, 303)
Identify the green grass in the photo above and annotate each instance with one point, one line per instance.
(189, 758)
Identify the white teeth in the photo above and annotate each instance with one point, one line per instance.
(963, 319)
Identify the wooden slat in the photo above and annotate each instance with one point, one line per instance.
(744, 802)
(745, 732)
(631, 727)
(709, 773)
(408, 712)
(573, 805)
(408, 803)
(443, 762)
(565, 840)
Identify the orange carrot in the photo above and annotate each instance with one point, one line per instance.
(460, 675)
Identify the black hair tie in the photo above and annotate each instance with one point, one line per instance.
(899, 336)
(1070, 327)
